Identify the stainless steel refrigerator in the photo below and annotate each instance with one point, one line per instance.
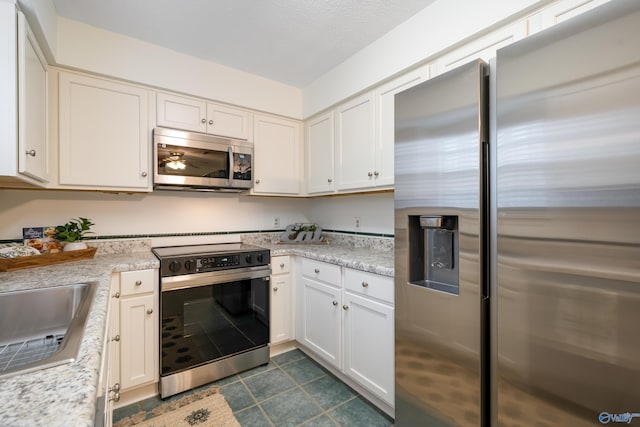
(517, 233)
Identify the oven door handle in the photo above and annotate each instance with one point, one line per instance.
(212, 278)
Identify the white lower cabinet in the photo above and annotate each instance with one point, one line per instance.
(134, 329)
(320, 326)
(281, 325)
(368, 332)
(346, 317)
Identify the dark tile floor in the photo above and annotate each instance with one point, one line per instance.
(290, 390)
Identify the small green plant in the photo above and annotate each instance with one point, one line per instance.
(76, 229)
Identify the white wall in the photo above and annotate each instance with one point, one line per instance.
(156, 213)
(338, 212)
(428, 33)
(99, 51)
(187, 212)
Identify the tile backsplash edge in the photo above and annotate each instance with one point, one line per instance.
(130, 244)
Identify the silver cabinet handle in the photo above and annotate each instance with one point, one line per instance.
(345, 307)
(376, 173)
(210, 122)
(275, 289)
(116, 338)
(150, 311)
(31, 153)
(116, 387)
(138, 282)
(335, 303)
(204, 120)
(257, 181)
(143, 174)
(365, 284)
(317, 270)
(370, 174)
(115, 397)
(329, 180)
(116, 295)
(282, 265)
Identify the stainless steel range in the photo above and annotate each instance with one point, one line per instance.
(214, 302)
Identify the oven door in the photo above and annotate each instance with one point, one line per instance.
(209, 317)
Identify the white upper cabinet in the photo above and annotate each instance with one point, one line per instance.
(355, 145)
(385, 122)
(105, 137)
(23, 103)
(185, 113)
(320, 145)
(277, 155)
(33, 143)
(484, 47)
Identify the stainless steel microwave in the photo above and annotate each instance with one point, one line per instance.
(198, 162)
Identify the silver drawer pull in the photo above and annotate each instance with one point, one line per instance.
(345, 307)
(275, 289)
(317, 270)
(116, 295)
(282, 265)
(116, 338)
(138, 282)
(31, 153)
(150, 311)
(335, 303)
(365, 284)
(204, 120)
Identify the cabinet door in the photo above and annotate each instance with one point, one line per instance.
(280, 325)
(320, 323)
(277, 155)
(385, 130)
(138, 340)
(355, 148)
(181, 113)
(369, 345)
(484, 47)
(320, 140)
(33, 152)
(104, 134)
(228, 121)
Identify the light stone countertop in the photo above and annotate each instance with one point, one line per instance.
(366, 259)
(66, 395)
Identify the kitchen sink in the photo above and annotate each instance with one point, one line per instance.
(41, 328)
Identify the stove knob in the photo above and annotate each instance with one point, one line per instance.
(174, 266)
(259, 257)
(188, 265)
(248, 258)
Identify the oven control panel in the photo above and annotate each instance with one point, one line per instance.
(190, 264)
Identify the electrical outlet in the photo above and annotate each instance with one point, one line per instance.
(357, 222)
(276, 222)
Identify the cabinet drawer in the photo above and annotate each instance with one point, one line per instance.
(369, 284)
(318, 270)
(137, 282)
(280, 264)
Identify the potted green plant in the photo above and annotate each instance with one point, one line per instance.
(73, 232)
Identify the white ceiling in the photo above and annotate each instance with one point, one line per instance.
(290, 41)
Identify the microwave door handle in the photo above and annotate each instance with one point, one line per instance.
(230, 169)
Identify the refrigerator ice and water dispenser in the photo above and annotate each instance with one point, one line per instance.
(433, 252)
